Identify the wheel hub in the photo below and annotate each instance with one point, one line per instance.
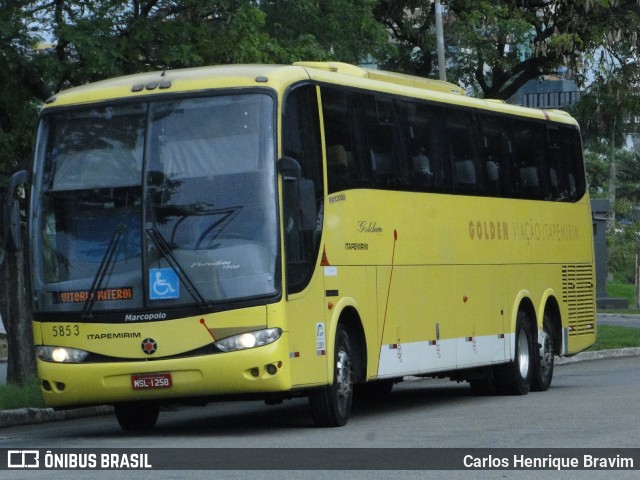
(343, 376)
(546, 351)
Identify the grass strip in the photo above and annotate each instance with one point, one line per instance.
(611, 337)
(15, 396)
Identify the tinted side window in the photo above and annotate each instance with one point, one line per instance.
(379, 141)
(468, 173)
(382, 132)
(572, 163)
(530, 159)
(348, 160)
(364, 141)
(496, 154)
(427, 147)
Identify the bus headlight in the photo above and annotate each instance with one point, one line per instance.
(244, 341)
(60, 354)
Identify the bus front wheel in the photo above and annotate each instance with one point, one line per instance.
(331, 405)
(139, 416)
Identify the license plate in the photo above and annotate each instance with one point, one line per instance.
(151, 381)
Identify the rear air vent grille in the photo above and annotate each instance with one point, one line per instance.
(578, 293)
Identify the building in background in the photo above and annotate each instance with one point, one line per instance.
(549, 91)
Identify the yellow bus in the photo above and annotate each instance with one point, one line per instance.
(313, 230)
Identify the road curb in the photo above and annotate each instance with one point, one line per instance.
(30, 416)
(600, 354)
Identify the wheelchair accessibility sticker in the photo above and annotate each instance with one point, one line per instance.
(163, 284)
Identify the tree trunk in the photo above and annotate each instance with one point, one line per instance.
(21, 368)
(612, 174)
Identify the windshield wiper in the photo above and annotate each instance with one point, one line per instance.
(161, 244)
(105, 263)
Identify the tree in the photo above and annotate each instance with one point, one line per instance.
(17, 116)
(16, 314)
(17, 109)
(498, 46)
(96, 39)
(611, 97)
(597, 166)
(326, 30)
(410, 24)
(628, 178)
(50, 45)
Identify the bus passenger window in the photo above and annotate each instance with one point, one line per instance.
(381, 155)
(426, 142)
(530, 159)
(460, 134)
(495, 153)
(564, 163)
(343, 168)
(389, 165)
(573, 161)
(337, 168)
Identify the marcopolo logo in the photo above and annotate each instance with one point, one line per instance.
(138, 317)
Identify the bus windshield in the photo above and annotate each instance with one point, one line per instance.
(155, 204)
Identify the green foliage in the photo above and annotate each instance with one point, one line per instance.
(17, 112)
(413, 43)
(486, 34)
(326, 29)
(628, 179)
(623, 243)
(14, 396)
(497, 46)
(597, 166)
(623, 240)
(95, 39)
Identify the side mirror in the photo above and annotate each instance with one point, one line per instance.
(11, 212)
(301, 193)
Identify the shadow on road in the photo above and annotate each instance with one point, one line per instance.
(239, 419)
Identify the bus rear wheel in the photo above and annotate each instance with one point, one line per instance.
(515, 378)
(138, 416)
(544, 360)
(331, 405)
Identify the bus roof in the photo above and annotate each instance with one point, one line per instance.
(384, 76)
(180, 80)
(281, 76)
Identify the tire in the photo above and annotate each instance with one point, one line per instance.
(140, 416)
(515, 378)
(331, 405)
(544, 359)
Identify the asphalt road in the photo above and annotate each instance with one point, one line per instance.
(591, 404)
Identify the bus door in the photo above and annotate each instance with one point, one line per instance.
(304, 285)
